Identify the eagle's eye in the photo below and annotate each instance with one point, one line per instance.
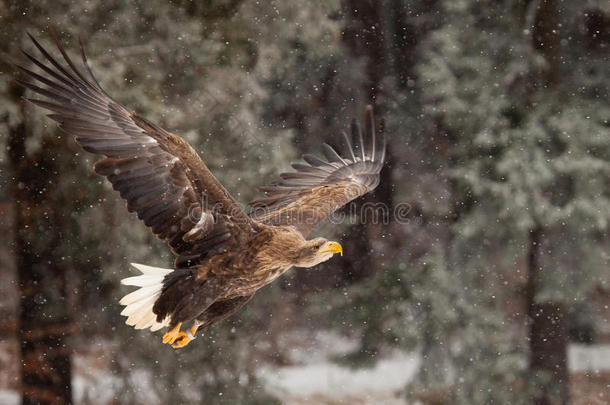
(315, 248)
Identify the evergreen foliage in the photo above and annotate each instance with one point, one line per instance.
(498, 142)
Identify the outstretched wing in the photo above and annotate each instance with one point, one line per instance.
(304, 198)
(160, 176)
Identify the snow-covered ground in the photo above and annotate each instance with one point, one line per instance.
(314, 379)
(594, 358)
(8, 397)
(327, 383)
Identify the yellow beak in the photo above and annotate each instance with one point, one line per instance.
(331, 247)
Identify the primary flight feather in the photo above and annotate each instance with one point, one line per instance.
(223, 255)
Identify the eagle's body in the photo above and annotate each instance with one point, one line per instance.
(270, 252)
(223, 254)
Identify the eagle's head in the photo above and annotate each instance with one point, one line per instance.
(316, 251)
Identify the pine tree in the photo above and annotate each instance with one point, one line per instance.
(504, 92)
(149, 63)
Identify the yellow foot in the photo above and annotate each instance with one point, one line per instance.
(185, 338)
(182, 341)
(171, 336)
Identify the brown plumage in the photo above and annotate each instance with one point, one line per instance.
(223, 255)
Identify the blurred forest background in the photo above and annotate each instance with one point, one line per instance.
(494, 291)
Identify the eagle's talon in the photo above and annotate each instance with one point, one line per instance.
(182, 341)
(172, 335)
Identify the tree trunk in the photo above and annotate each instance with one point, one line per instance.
(549, 330)
(44, 320)
(546, 39)
(364, 37)
(548, 335)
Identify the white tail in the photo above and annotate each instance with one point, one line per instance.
(139, 303)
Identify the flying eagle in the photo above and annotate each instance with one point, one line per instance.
(223, 255)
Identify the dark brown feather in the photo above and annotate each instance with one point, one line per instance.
(304, 198)
(185, 296)
(222, 309)
(157, 173)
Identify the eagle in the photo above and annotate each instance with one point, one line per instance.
(223, 254)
